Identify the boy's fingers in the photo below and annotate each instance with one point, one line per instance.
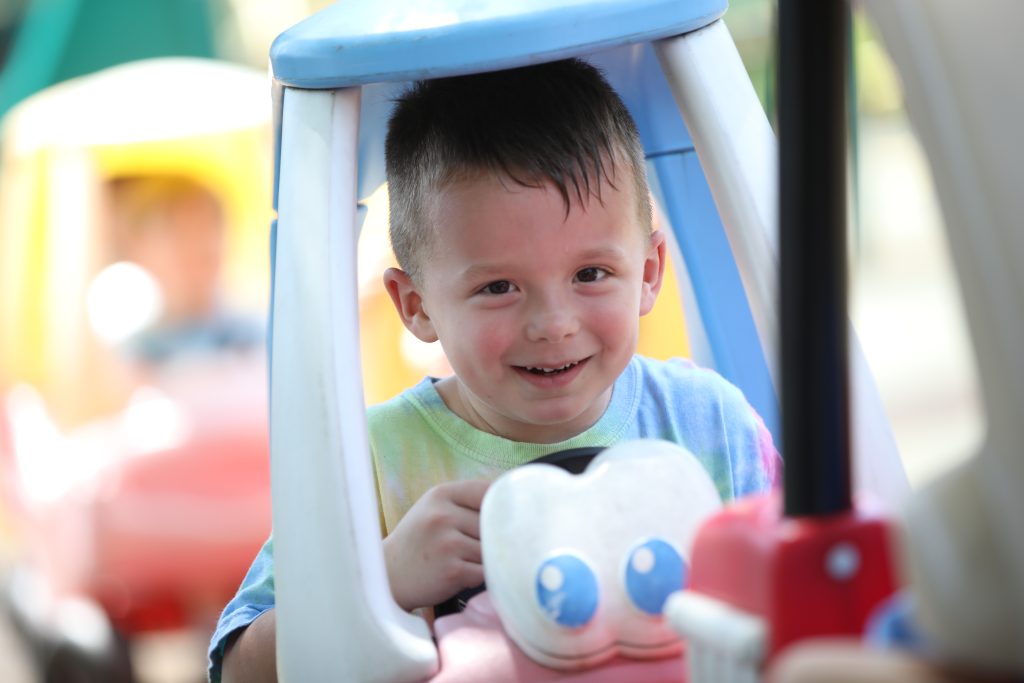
(471, 552)
(474, 575)
(470, 493)
(474, 555)
(467, 522)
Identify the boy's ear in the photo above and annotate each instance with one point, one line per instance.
(409, 303)
(654, 271)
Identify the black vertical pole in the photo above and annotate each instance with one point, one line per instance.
(812, 49)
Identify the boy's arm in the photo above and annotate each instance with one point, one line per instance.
(432, 554)
(251, 654)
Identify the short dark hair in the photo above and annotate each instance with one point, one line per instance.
(559, 122)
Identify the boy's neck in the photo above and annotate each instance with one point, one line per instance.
(454, 395)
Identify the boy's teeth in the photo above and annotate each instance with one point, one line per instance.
(551, 371)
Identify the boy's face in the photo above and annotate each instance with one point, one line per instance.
(537, 313)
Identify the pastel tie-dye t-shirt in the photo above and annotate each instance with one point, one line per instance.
(419, 443)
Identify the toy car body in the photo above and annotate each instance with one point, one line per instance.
(334, 75)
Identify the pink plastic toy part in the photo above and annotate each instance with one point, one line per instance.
(473, 648)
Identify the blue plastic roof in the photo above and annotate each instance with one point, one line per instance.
(353, 42)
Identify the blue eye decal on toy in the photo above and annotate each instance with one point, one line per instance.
(654, 570)
(567, 590)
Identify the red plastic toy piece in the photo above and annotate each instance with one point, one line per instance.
(803, 576)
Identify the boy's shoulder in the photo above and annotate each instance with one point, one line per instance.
(417, 393)
(683, 387)
(703, 405)
(680, 375)
(415, 412)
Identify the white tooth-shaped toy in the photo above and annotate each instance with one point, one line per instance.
(579, 566)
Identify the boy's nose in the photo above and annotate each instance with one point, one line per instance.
(551, 322)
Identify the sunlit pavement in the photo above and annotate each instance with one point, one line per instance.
(171, 657)
(15, 666)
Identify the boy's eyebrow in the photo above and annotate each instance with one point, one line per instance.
(482, 270)
(609, 252)
(604, 251)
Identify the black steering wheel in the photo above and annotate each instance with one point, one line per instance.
(572, 460)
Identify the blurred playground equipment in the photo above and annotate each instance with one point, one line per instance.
(133, 440)
(57, 40)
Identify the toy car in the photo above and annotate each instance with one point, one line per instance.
(714, 179)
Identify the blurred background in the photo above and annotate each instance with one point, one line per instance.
(135, 181)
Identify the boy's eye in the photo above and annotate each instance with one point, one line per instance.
(498, 287)
(591, 274)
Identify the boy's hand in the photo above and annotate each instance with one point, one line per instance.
(434, 552)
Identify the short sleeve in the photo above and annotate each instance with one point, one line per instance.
(702, 411)
(755, 462)
(254, 597)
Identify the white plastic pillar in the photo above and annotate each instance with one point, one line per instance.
(336, 618)
(739, 155)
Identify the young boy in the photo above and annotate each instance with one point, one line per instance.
(520, 216)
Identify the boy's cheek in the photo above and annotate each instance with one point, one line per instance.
(615, 314)
(482, 340)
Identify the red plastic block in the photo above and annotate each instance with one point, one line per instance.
(804, 576)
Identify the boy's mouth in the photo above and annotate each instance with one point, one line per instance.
(542, 371)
